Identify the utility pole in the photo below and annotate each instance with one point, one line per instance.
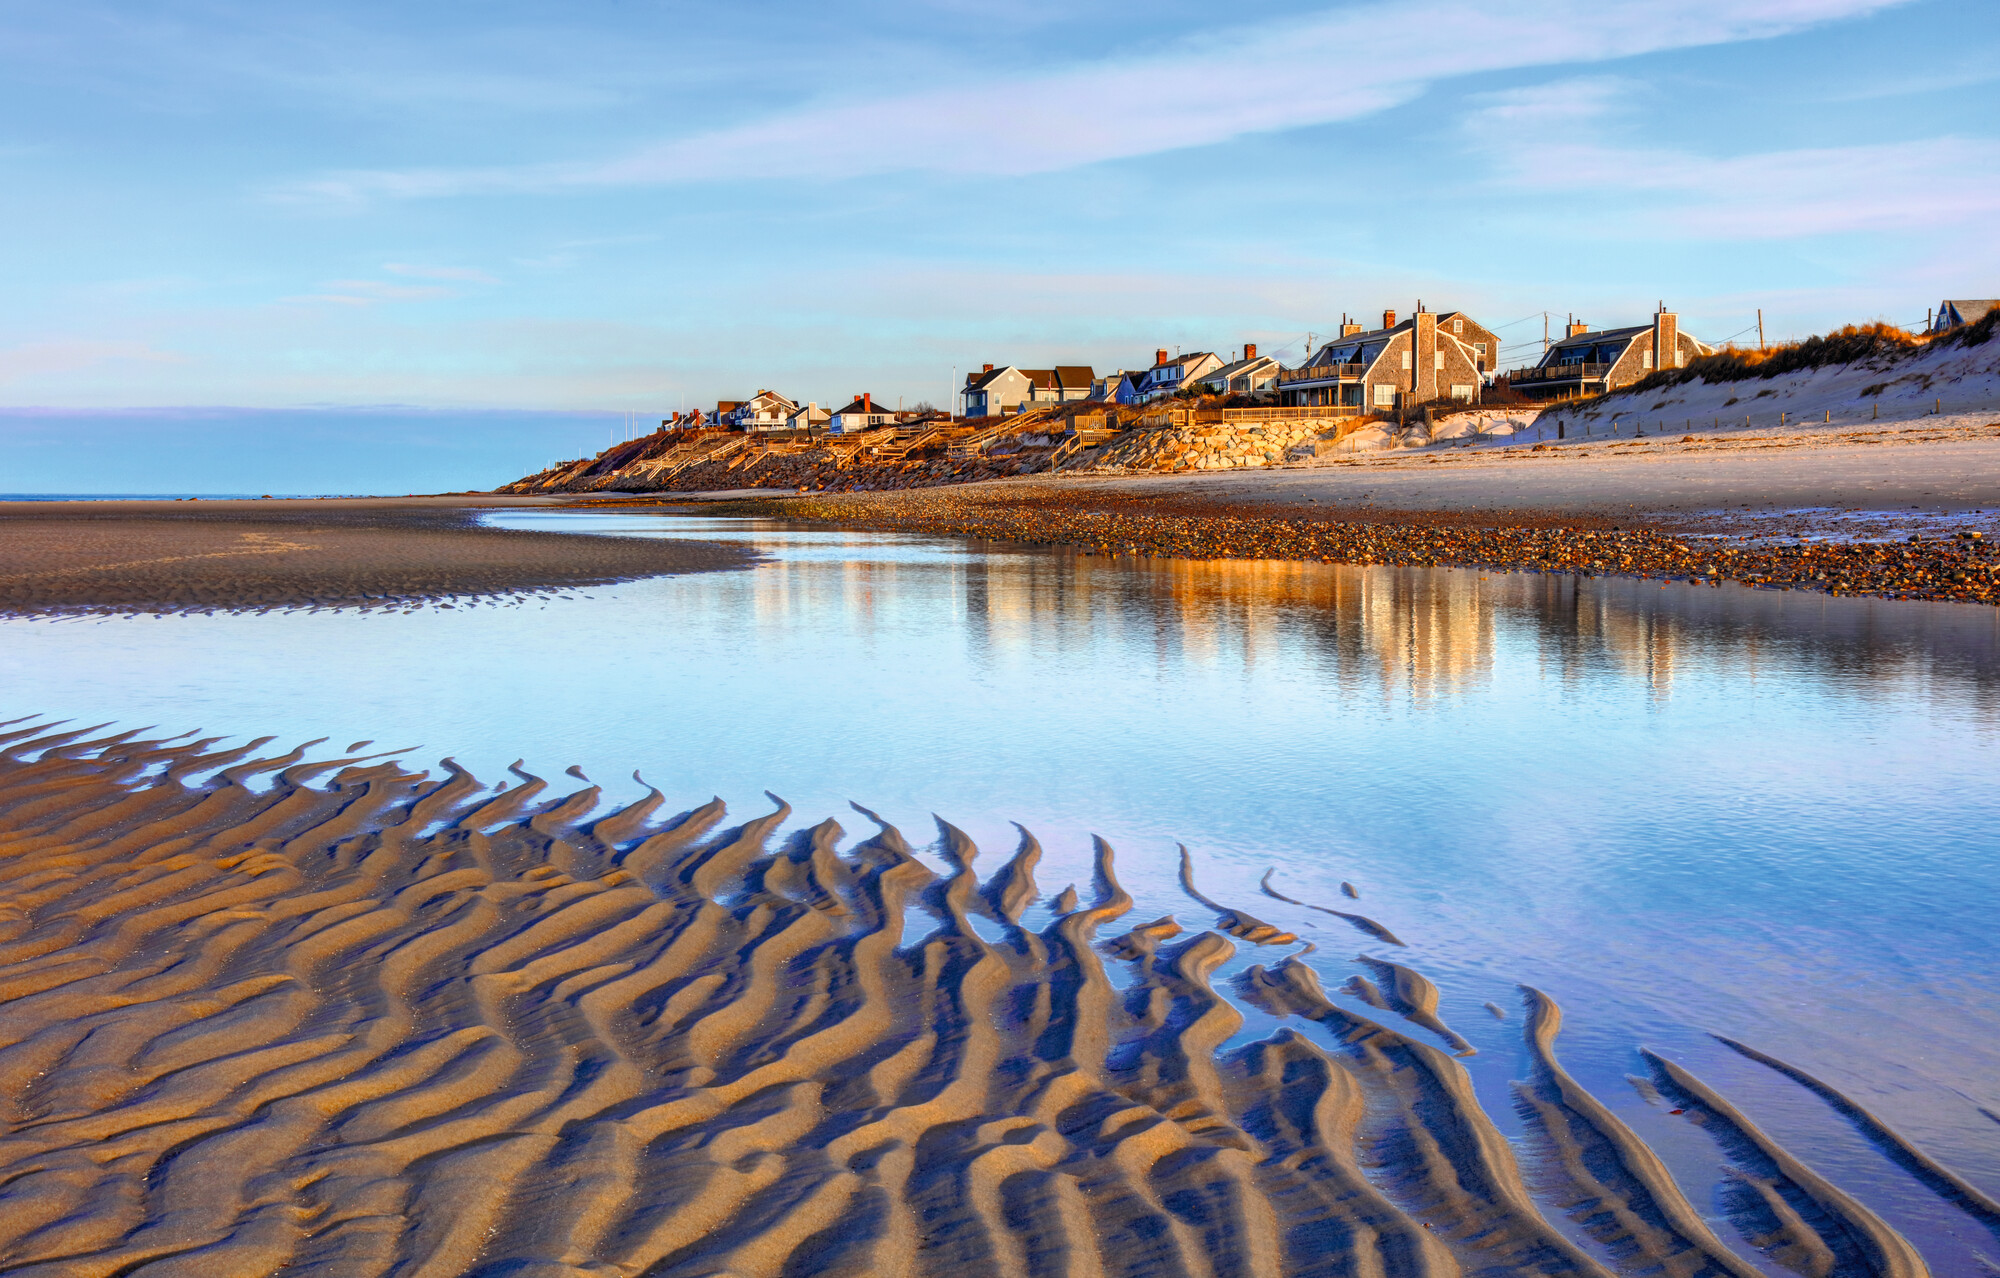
(1545, 334)
(1760, 328)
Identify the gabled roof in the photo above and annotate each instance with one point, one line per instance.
(1969, 310)
(1256, 363)
(860, 407)
(1189, 358)
(1603, 337)
(980, 381)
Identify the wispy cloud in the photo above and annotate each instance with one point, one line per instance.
(461, 274)
(1342, 64)
(369, 292)
(1559, 138)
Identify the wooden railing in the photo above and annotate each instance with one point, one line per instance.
(1323, 373)
(1558, 373)
(1177, 417)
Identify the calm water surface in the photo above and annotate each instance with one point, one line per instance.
(1677, 810)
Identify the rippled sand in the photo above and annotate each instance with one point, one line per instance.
(356, 1019)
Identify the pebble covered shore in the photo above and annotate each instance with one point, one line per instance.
(1960, 566)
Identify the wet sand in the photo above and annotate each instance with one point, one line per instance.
(166, 556)
(350, 1018)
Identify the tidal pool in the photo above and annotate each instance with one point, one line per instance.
(1679, 810)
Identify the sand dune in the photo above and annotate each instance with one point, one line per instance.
(356, 1019)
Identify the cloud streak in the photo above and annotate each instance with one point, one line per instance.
(1343, 64)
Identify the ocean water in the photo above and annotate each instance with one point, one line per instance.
(1678, 810)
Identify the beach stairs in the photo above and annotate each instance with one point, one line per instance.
(662, 469)
(1035, 421)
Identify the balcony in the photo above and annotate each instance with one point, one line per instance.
(1558, 373)
(1322, 373)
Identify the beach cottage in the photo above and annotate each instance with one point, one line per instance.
(808, 417)
(1169, 376)
(1397, 366)
(860, 415)
(1592, 363)
(766, 410)
(1250, 375)
(993, 391)
(1956, 314)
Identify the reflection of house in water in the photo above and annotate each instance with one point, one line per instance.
(1385, 629)
(1347, 633)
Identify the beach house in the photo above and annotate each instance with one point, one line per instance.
(1168, 375)
(993, 391)
(1250, 375)
(862, 414)
(1956, 314)
(1396, 366)
(1587, 362)
(807, 417)
(766, 410)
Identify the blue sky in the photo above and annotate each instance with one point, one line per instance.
(642, 206)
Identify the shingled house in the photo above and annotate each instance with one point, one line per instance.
(1395, 366)
(1592, 363)
(1956, 314)
(1249, 375)
(993, 391)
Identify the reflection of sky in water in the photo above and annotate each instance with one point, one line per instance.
(1770, 815)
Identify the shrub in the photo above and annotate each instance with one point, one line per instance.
(1842, 346)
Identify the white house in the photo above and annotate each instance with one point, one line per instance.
(862, 414)
(1169, 375)
(766, 410)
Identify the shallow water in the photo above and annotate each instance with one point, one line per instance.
(1677, 810)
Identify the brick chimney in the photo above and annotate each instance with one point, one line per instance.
(867, 402)
(987, 369)
(1575, 329)
(1349, 328)
(1249, 350)
(1388, 319)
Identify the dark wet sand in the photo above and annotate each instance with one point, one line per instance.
(150, 556)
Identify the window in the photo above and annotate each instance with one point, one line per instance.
(1645, 359)
(1406, 361)
(1462, 391)
(1481, 348)
(1458, 326)
(1439, 357)
(1385, 395)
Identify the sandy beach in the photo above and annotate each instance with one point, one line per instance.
(155, 556)
(350, 1017)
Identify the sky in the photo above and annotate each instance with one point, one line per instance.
(379, 211)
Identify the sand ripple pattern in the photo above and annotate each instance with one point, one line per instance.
(356, 1019)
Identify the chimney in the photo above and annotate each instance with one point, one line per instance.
(867, 402)
(1249, 350)
(1575, 329)
(1388, 319)
(1160, 356)
(987, 369)
(1349, 328)
(1424, 341)
(1666, 339)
